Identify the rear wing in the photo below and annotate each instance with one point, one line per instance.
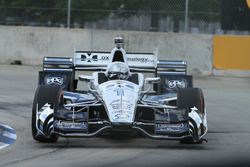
(98, 61)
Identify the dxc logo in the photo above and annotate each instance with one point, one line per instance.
(93, 58)
(89, 58)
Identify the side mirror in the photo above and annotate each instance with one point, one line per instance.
(85, 78)
(149, 82)
(153, 80)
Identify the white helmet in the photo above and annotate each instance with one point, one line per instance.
(118, 70)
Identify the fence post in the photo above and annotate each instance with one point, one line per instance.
(69, 12)
(186, 16)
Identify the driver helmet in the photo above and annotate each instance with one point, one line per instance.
(118, 70)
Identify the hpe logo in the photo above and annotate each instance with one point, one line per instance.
(54, 81)
(176, 84)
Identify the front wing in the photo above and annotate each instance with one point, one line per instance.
(89, 119)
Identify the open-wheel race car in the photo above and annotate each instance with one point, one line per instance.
(119, 98)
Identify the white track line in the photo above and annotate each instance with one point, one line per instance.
(2, 145)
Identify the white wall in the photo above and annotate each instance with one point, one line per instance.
(31, 44)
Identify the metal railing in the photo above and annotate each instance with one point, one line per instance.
(201, 16)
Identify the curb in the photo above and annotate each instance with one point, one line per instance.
(7, 136)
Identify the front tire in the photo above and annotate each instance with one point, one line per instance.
(44, 94)
(186, 99)
(190, 97)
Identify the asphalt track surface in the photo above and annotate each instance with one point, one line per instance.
(227, 102)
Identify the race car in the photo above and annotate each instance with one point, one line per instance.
(117, 97)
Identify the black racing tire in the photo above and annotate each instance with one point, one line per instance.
(188, 98)
(188, 140)
(44, 94)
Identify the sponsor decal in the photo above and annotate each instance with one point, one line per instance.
(121, 111)
(104, 58)
(89, 58)
(176, 84)
(54, 81)
(121, 106)
(93, 58)
(169, 127)
(137, 59)
(119, 90)
(70, 125)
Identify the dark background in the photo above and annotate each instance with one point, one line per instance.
(235, 15)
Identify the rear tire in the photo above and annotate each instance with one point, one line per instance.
(44, 94)
(188, 98)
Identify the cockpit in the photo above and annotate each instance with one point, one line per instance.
(118, 70)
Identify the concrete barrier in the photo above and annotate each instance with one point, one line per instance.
(31, 44)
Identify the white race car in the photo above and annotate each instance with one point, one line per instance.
(119, 98)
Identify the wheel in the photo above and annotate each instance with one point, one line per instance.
(188, 140)
(44, 94)
(188, 98)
